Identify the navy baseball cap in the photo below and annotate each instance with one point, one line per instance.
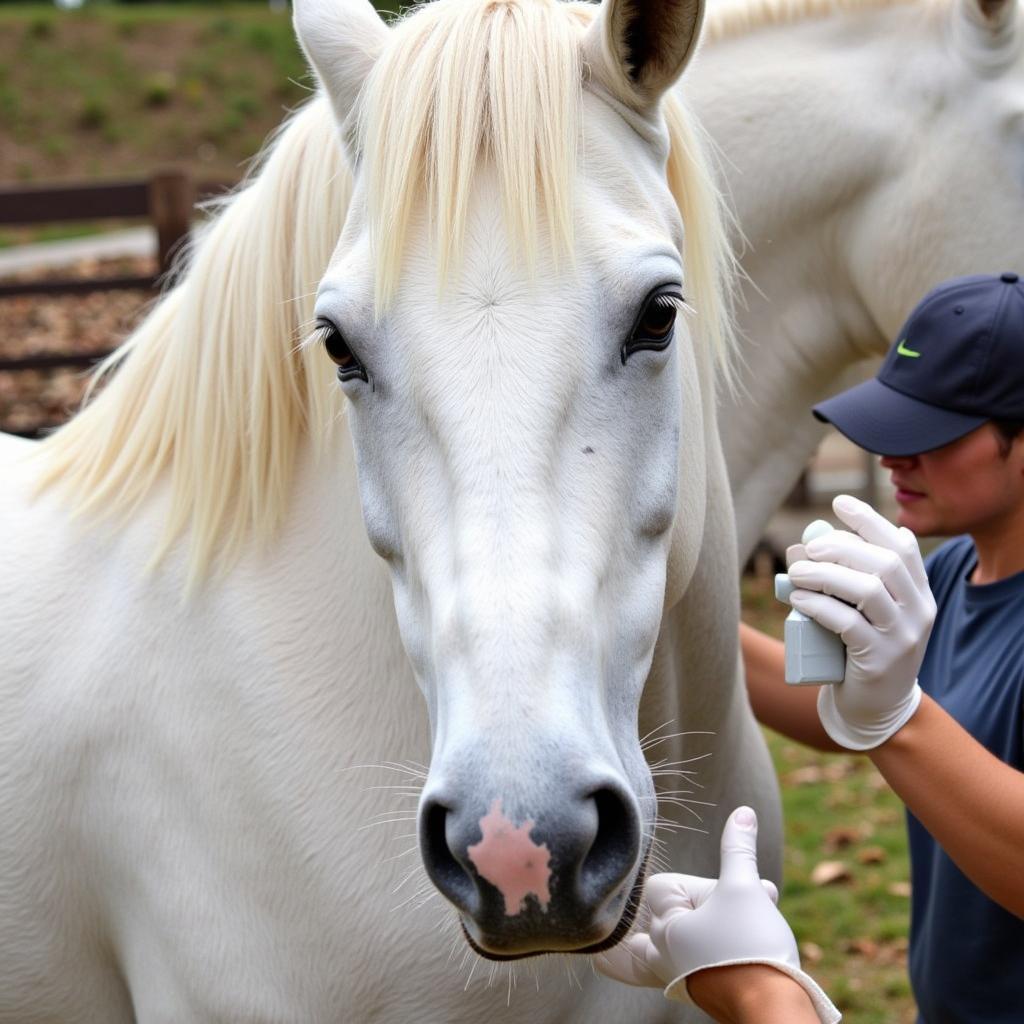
(957, 363)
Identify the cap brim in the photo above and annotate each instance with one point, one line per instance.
(887, 422)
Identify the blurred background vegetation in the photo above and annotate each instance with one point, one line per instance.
(108, 91)
(117, 90)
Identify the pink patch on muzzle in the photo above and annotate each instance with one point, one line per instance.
(511, 861)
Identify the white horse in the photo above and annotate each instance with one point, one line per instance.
(870, 150)
(200, 648)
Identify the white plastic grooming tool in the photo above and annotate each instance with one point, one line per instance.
(814, 655)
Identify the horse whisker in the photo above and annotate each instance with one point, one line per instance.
(411, 874)
(386, 821)
(685, 760)
(656, 729)
(471, 971)
(671, 736)
(398, 856)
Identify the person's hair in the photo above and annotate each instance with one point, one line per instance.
(1008, 430)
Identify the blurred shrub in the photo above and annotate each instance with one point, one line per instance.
(93, 113)
(158, 89)
(40, 27)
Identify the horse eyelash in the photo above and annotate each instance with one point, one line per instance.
(314, 336)
(318, 335)
(678, 301)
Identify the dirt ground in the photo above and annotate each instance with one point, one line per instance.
(37, 325)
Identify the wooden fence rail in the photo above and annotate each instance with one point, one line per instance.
(167, 200)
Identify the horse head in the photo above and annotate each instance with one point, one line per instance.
(505, 307)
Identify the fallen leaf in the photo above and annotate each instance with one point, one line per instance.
(835, 771)
(811, 952)
(872, 855)
(899, 889)
(830, 872)
(863, 947)
(805, 776)
(841, 836)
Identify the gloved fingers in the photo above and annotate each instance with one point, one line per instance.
(738, 863)
(631, 961)
(670, 891)
(865, 591)
(910, 551)
(845, 548)
(795, 553)
(838, 616)
(876, 529)
(689, 892)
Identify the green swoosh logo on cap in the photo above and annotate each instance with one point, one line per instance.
(901, 349)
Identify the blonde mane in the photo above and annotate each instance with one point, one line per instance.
(209, 392)
(213, 392)
(463, 82)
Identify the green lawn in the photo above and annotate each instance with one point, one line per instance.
(117, 92)
(109, 91)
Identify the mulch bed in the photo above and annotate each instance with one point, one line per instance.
(33, 325)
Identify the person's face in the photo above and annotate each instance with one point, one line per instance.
(968, 486)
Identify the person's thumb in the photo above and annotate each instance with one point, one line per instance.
(739, 847)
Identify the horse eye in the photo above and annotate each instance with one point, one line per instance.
(658, 320)
(653, 329)
(349, 367)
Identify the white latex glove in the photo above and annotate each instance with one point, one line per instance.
(870, 587)
(691, 923)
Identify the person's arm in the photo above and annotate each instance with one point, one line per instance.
(969, 800)
(790, 710)
(871, 588)
(751, 994)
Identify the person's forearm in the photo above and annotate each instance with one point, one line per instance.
(969, 800)
(751, 994)
(790, 710)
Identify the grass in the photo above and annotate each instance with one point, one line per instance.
(131, 89)
(837, 808)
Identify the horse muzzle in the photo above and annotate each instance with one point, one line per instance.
(562, 877)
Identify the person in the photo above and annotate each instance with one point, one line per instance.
(933, 690)
(721, 943)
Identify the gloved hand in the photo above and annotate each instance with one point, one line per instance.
(870, 587)
(692, 923)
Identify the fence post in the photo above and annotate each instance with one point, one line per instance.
(171, 198)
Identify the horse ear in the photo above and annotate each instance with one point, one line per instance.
(638, 48)
(342, 39)
(987, 30)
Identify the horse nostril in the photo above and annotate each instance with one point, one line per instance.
(613, 853)
(442, 867)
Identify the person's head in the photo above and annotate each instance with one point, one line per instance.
(946, 410)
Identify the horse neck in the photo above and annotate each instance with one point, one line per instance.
(795, 113)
